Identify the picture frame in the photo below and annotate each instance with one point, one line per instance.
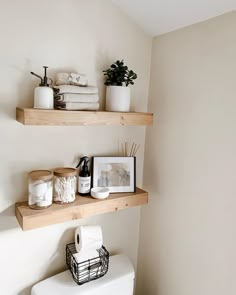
(116, 173)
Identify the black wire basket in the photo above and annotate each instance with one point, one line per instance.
(88, 270)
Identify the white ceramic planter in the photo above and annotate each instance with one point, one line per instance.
(117, 99)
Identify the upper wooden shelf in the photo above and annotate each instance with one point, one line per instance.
(30, 116)
(82, 207)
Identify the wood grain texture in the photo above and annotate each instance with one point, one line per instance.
(82, 207)
(30, 116)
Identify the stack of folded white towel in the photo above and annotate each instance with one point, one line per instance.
(75, 97)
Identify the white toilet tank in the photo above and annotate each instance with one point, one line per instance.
(119, 280)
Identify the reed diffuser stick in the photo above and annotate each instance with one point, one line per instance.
(122, 150)
(130, 154)
(135, 151)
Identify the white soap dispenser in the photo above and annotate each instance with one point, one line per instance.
(43, 94)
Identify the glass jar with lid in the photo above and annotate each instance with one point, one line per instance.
(40, 189)
(65, 185)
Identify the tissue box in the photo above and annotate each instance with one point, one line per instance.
(88, 270)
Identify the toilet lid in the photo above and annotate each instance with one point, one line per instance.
(120, 267)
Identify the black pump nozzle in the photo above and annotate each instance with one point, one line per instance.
(38, 77)
(84, 160)
(45, 79)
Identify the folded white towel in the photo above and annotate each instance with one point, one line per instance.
(76, 89)
(71, 79)
(73, 97)
(78, 106)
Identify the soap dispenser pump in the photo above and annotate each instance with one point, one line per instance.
(84, 181)
(43, 94)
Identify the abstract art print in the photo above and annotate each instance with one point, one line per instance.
(116, 173)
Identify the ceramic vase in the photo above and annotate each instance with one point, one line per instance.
(117, 99)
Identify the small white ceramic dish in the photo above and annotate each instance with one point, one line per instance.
(100, 192)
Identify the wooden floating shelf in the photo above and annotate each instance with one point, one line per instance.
(30, 116)
(82, 207)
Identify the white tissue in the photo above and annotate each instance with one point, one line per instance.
(86, 255)
(88, 237)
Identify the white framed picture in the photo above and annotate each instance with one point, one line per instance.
(116, 173)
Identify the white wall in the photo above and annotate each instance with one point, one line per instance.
(84, 36)
(188, 236)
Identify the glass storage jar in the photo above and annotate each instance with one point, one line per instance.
(65, 185)
(40, 189)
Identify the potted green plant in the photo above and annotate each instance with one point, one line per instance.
(118, 79)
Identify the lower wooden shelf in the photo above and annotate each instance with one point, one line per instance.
(81, 208)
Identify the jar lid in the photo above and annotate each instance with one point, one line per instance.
(41, 174)
(65, 171)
